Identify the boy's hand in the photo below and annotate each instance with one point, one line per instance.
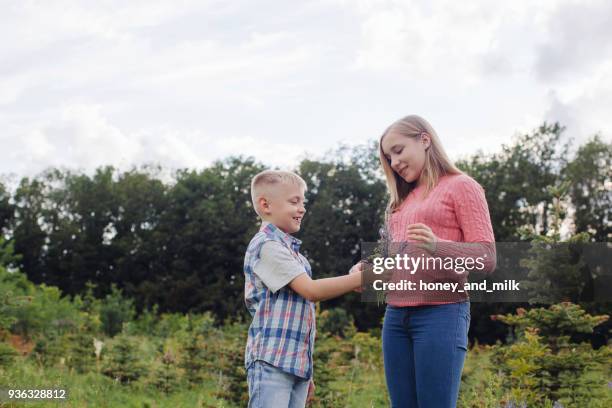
(311, 391)
(357, 268)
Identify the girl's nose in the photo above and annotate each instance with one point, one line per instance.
(394, 164)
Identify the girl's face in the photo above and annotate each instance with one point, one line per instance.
(406, 155)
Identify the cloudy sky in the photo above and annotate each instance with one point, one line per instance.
(183, 83)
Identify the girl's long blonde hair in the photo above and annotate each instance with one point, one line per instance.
(437, 163)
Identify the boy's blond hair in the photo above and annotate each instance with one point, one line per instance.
(269, 179)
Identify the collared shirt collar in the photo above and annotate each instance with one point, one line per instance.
(290, 240)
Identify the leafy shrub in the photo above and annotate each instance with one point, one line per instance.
(333, 360)
(368, 350)
(166, 375)
(7, 355)
(123, 361)
(114, 311)
(194, 347)
(81, 352)
(145, 324)
(227, 353)
(336, 322)
(544, 365)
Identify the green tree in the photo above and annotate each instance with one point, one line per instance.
(546, 363)
(7, 210)
(123, 361)
(81, 351)
(115, 311)
(205, 233)
(28, 233)
(346, 202)
(166, 376)
(590, 174)
(194, 349)
(516, 179)
(7, 355)
(229, 357)
(332, 360)
(557, 269)
(336, 322)
(517, 183)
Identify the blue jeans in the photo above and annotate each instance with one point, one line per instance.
(271, 387)
(424, 349)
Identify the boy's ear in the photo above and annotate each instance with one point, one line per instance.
(264, 205)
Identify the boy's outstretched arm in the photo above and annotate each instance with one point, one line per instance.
(326, 288)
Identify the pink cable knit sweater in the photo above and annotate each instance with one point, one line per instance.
(456, 211)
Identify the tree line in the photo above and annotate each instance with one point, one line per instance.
(179, 244)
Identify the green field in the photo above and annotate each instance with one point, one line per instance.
(349, 371)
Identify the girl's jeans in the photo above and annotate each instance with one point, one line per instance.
(424, 348)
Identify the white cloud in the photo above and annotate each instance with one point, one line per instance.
(577, 40)
(86, 83)
(285, 155)
(84, 138)
(429, 39)
(80, 137)
(584, 108)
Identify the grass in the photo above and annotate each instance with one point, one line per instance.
(362, 385)
(97, 390)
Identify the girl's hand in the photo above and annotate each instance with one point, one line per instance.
(422, 233)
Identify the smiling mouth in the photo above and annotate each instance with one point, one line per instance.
(297, 219)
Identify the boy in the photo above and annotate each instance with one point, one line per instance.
(280, 295)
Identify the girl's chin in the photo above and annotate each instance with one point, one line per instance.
(411, 178)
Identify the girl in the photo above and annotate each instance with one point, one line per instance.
(435, 205)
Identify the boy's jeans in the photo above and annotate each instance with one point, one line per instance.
(270, 387)
(424, 348)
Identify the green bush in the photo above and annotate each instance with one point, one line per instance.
(27, 309)
(544, 365)
(123, 362)
(7, 355)
(227, 354)
(166, 375)
(50, 350)
(481, 385)
(14, 291)
(336, 322)
(81, 351)
(145, 324)
(333, 363)
(114, 311)
(195, 347)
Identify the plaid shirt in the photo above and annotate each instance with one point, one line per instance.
(283, 329)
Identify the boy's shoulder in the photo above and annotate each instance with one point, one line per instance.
(256, 241)
(265, 232)
(259, 235)
(259, 239)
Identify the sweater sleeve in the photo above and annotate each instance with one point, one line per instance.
(472, 213)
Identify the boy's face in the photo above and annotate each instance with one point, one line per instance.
(284, 207)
